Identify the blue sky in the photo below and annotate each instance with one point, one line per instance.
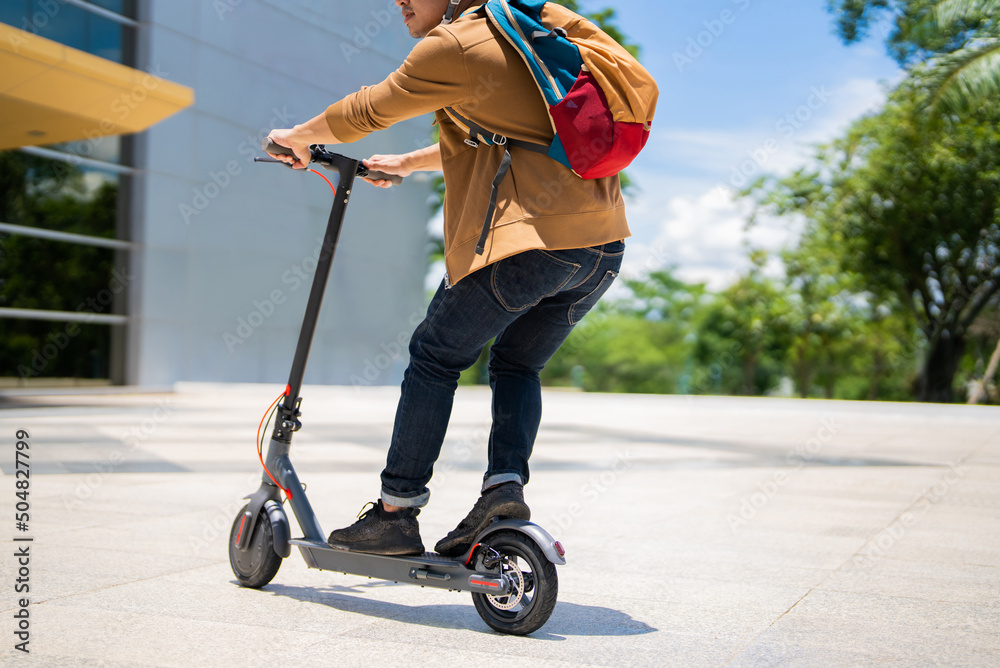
(744, 85)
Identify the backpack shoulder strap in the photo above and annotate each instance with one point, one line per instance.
(477, 134)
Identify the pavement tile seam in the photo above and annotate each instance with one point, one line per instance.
(923, 599)
(505, 645)
(908, 510)
(123, 584)
(921, 560)
(777, 621)
(278, 624)
(486, 654)
(133, 551)
(130, 620)
(913, 633)
(289, 593)
(11, 657)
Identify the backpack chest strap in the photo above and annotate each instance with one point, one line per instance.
(480, 135)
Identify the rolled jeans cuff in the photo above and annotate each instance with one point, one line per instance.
(500, 478)
(418, 501)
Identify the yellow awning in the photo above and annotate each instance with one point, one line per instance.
(53, 93)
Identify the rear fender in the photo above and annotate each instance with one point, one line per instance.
(540, 536)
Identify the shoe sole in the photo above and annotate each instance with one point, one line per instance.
(509, 510)
(382, 553)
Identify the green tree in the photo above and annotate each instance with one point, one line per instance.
(842, 342)
(951, 47)
(739, 345)
(611, 351)
(643, 342)
(912, 205)
(817, 318)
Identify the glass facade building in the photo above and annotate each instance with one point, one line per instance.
(166, 255)
(76, 191)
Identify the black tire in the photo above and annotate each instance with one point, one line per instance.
(533, 602)
(260, 563)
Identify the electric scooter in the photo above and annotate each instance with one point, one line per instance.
(510, 568)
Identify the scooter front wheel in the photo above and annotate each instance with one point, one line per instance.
(533, 595)
(259, 564)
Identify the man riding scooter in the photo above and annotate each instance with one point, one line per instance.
(554, 247)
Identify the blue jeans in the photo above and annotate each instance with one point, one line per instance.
(529, 303)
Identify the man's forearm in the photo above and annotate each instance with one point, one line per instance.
(313, 131)
(424, 159)
(317, 131)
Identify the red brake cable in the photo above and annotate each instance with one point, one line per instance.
(325, 179)
(260, 444)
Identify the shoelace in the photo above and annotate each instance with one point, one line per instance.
(366, 510)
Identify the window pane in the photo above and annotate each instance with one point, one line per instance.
(55, 275)
(71, 25)
(62, 23)
(55, 195)
(58, 276)
(32, 351)
(123, 7)
(106, 39)
(105, 148)
(16, 13)
(50, 194)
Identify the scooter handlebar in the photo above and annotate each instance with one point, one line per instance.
(319, 154)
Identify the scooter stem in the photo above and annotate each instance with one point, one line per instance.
(288, 409)
(287, 421)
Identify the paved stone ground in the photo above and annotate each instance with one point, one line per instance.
(700, 532)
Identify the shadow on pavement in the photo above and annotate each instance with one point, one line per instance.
(568, 619)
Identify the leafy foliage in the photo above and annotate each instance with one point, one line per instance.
(758, 336)
(738, 346)
(639, 344)
(910, 206)
(951, 47)
(961, 80)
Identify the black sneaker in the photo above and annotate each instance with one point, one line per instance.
(378, 531)
(505, 501)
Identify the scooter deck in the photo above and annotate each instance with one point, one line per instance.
(429, 569)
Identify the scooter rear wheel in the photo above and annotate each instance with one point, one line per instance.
(533, 597)
(260, 563)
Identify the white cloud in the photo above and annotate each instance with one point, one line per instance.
(694, 223)
(846, 103)
(778, 145)
(706, 238)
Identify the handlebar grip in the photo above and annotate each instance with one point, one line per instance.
(268, 146)
(364, 172)
(319, 155)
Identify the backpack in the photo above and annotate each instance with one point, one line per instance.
(600, 100)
